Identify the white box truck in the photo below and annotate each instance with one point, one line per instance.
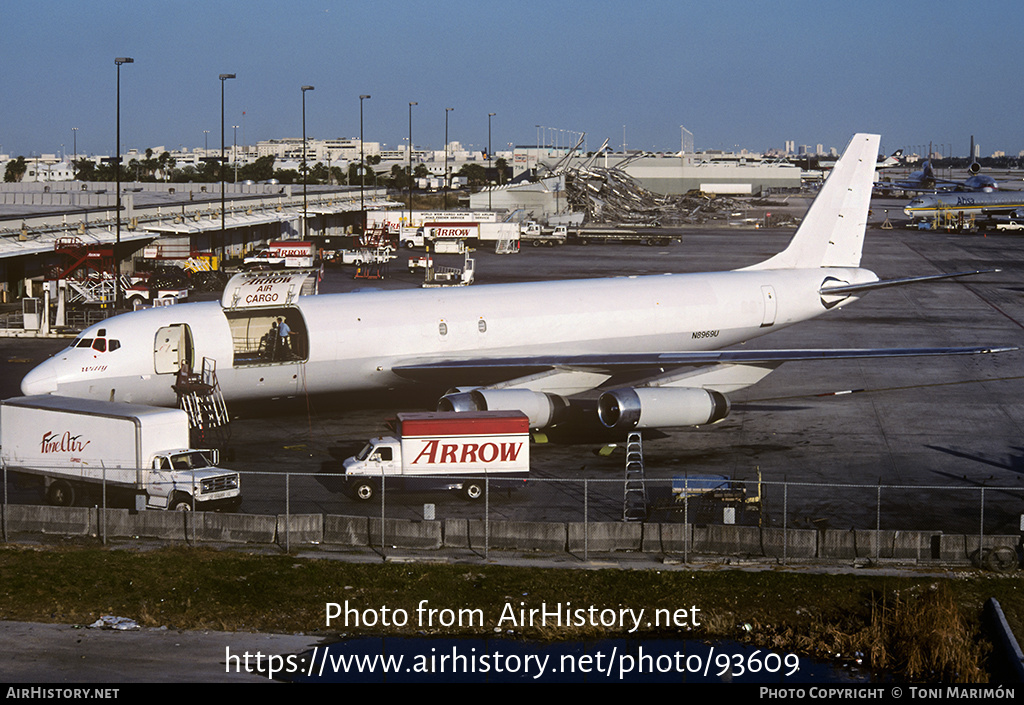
(76, 446)
(465, 451)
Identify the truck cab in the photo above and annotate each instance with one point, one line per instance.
(187, 478)
(410, 237)
(379, 456)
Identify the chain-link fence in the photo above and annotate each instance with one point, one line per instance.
(687, 517)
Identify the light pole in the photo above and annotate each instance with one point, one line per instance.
(305, 227)
(446, 111)
(74, 170)
(117, 169)
(489, 116)
(223, 237)
(362, 161)
(234, 149)
(410, 163)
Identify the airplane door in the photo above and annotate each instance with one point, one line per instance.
(770, 306)
(173, 345)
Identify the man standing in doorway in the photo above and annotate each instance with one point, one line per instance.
(283, 332)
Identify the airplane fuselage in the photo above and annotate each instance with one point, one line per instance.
(353, 340)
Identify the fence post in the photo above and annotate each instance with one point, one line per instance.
(586, 522)
(687, 529)
(878, 519)
(487, 517)
(103, 529)
(785, 518)
(382, 483)
(287, 512)
(981, 528)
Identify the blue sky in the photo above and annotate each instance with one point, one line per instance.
(735, 73)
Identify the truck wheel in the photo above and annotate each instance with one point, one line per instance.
(180, 503)
(364, 491)
(61, 494)
(473, 490)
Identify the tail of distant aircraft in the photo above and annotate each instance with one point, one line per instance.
(832, 232)
(891, 161)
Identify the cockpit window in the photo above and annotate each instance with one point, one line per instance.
(99, 344)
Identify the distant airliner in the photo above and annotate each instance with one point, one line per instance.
(815, 163)
(926, 180)
(648, 348)
(984, 207)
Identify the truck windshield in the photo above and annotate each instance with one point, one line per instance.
(365, 452)
(189, 461)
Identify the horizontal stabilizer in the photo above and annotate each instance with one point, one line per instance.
(871, 286)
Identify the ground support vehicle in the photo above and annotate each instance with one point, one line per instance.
(78, 448)
(465, 451)
(283, 253)
(537, 236)
(707, 499)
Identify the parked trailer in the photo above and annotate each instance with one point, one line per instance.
(79, 447)
(443, 450)
(642, 236)
(472, 232)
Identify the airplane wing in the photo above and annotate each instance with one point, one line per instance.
(488, 370)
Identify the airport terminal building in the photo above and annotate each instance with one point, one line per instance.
(42, 224)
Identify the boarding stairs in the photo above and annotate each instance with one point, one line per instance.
(83, 258)
(634, 499)
(94, 290)
(507, 246)
(375, 253)
(200, 396)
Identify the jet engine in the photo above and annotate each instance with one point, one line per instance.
(543, 409)
(660, 407)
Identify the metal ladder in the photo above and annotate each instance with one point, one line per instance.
(506, 246)
(202, 399)
(634, 500)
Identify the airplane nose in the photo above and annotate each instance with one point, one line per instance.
(41, 380)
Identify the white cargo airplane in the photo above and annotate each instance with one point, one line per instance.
(646, 347)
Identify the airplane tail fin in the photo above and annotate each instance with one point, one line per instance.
(832, 232)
